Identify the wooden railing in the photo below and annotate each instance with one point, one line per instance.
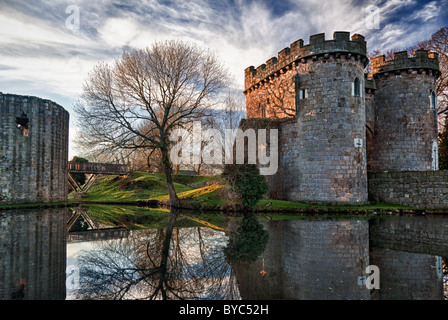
(98, 168)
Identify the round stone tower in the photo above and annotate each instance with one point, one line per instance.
(331, 117)
(323, 151)
(405, 111)
(33, 150)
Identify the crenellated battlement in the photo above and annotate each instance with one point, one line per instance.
(421, 60)
(341, 44)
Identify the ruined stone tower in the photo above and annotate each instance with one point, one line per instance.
(33, 150)
(333, 120)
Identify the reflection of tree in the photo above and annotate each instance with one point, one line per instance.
(158, 264)
(248, 241)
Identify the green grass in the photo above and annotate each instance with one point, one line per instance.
(137, 218)
(203, 192)
(269, 205)
(129, 216)
(138, 186)
(209, 195)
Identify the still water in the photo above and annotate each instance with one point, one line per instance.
(76, 254)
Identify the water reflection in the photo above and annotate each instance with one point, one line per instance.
(327, 259)
(33, 254)
(169, 263)
(291, 259)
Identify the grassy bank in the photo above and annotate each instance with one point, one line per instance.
(140, 186)
(206, 193)
(137, 218)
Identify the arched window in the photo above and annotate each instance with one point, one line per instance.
(433, 100)
(357, 87)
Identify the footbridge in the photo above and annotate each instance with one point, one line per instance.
(94, 170)
(91, 230)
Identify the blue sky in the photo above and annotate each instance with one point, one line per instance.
(42, 55)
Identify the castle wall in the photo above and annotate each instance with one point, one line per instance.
(420, 189)
(405, 132)
(290, 170)
(33, 160)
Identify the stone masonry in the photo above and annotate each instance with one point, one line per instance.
(33, 150)
(336, 122)
(33, 254)
(418, 189)
(327, 259)
(405, 124)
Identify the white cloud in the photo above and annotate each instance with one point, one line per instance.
(428, 12)
(37, 49)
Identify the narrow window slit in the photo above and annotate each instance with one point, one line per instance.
(22, 124)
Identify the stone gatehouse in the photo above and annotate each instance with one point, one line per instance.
(337, 120)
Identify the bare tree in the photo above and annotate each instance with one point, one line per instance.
(165, 85)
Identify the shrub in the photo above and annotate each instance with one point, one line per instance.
(246, 180)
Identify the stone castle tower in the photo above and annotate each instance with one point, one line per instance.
(33, 150)
(335, 123)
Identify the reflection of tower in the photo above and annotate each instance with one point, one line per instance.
(408, 275)
(327, 259)
(309, 260)
(408, 259)
(33, 251)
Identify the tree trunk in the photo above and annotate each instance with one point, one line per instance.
(167, 169)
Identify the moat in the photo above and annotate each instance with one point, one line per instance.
(71, 254)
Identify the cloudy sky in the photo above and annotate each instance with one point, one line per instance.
(47, 47)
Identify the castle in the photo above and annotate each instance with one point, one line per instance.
(34, 137)
(339, 124)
